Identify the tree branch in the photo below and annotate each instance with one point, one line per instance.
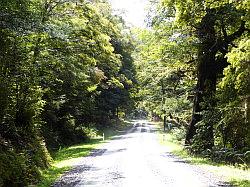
(238, 33)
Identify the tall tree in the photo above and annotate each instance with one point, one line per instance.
(216, 25)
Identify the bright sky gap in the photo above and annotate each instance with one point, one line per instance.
(133, 11)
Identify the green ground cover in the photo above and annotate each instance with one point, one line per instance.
(237, 175)
(64, 159)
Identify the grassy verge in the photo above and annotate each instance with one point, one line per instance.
(235, 175)
(65, 158)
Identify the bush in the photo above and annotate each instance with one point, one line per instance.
(179, 133)
(20, 162)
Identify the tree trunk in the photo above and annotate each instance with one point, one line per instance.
(207, 74)
(208, 68)
(247, 117)
(247, 109)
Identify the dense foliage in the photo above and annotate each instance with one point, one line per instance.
(65, 70)
(193, 65)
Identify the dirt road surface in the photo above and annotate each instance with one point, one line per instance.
(136, 159)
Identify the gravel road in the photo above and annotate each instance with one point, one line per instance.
(136, 159)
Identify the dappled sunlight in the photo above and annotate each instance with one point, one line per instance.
(230, 173)
(136, 159)
(51, 175)
(65, 159)
(73, 153)
(67, 163)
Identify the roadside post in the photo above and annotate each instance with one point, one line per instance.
(164, 122)
(163, 102)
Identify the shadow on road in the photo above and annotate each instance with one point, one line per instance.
(97, 152)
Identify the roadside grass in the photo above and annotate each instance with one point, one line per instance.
(233, 174)
(64, 159)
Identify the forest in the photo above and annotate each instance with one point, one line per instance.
(71, 68)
